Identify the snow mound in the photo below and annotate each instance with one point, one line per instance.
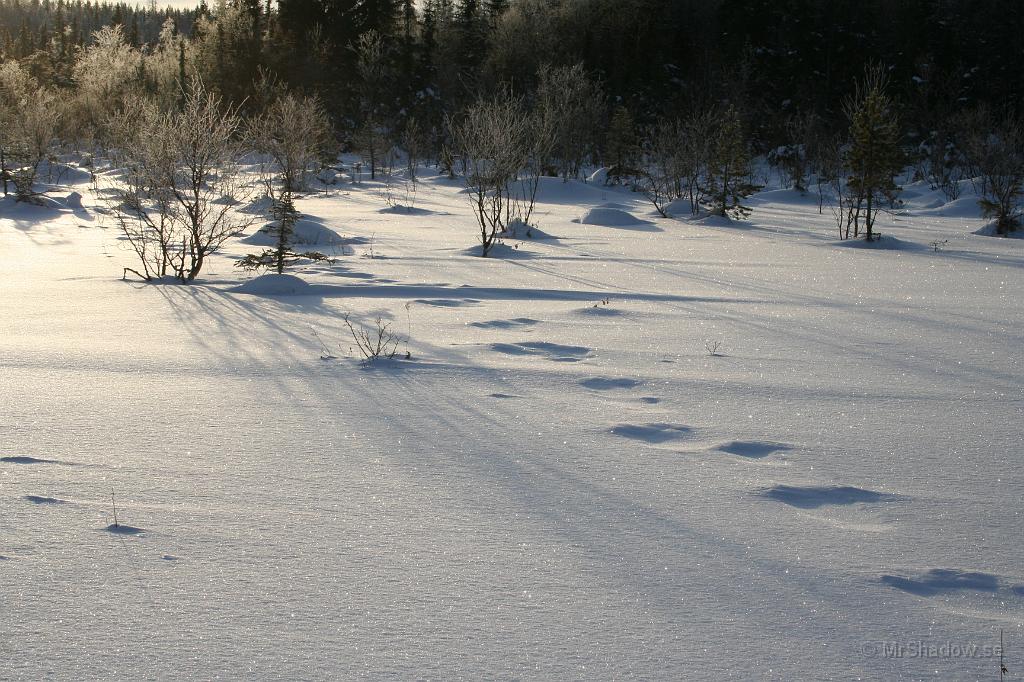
(64, 173)
(679, 208)
(990, 230)
(964, 207)
(882, 243)
(259, 206)
(517, 229)
(307, 232)
(610, 217)
(274, 285)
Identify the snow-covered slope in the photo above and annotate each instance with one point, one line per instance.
(563, 481)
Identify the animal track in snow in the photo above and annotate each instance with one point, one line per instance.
(553, 351)
(652, 433)
(813, 497)
(504, 324)
(752, 449)
(608, 384)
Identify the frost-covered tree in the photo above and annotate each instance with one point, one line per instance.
(169, 64)
(374, 72)
(572, 105)
(296, 133)
(491, 136)
(104, 74)
(176, 202)
(31, 115)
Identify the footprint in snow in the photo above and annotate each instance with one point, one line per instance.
(447, 302)
(608, 384)
(752, 449)
(940, 580)
(553, 351)
(652, 433)
(813, 497)
(504, 324)
(37, 499)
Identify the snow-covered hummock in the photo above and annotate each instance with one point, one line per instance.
(273, 284)
(569, 479)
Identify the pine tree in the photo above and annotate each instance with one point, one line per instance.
(874, 157)
(283, 231)
(730, 168)
(621, 145)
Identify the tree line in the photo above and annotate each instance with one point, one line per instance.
(674, 97)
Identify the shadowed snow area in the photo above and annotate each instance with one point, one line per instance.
(652, 433)
(752, 449)
(940, 580)
(558, 483)
(121, 529)
(25, 459)
(812, 497)
(609, 384)
(38, 499)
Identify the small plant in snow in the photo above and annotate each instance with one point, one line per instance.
(379, 342)
(937, 245)
(325, 352)
(712, 348)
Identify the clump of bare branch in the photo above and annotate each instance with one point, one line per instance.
(379, 341)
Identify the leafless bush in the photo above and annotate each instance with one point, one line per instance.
(30, 117)
(296, 133)
(677, 155)
(175, 202)
(377, 342)
(996, 150)
(491, 136)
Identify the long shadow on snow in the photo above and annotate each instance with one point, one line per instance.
(941, 580)
(622, 539)
(418, 291)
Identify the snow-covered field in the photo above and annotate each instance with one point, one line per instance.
(563, 482)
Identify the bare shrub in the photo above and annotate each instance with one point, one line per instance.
(296, 133)
(996, 150)
(175, 202)
(379, 341)
(491, 136)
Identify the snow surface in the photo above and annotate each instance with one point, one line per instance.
(562, 482)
